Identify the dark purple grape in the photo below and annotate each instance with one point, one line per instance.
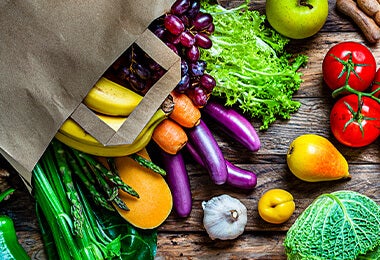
(197, 68)
(124, 73)
(192, 53)
(160, 32)
(141, 71)
(187, 39)
(136, 83)
(173, 24)
(194, 8)
(202, 21)
(172, 47)
(207, 82)
(175, 39)
(210, 29)
(185, 19)
(198, 95)
(157, 74)
(153, 65)
(184, 83)
(180, 6)
(184, 67)
(203, 41)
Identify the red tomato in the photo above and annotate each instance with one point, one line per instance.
(354, 123)
(349, 63)
(376, 84)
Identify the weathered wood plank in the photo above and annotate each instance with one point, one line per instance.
(32, 243)
(364, 179)
(255, 245)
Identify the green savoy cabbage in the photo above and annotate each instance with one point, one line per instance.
(340, 225)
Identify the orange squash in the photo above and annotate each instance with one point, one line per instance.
(155, 202)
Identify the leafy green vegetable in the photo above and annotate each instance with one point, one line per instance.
(132, 243)
(371, 255)
(135, 243)
(340, 225)
(250, 64)
(60, 189)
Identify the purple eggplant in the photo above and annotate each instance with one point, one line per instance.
(207, 147)
(178, 182)
(233, 124)
(240, 178)
(237, 177)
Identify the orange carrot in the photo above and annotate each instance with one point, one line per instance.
(185, 112)
(169, 136)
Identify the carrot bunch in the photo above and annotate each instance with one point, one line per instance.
(170, 134)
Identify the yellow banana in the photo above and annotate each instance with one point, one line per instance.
(115, 122)
(111, 151)
(73, 130)
(110, 98)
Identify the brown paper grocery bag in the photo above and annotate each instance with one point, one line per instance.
(52, 53)
(152, 100)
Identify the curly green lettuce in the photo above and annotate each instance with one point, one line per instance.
(251, 67)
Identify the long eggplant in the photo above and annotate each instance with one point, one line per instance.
(233, 124)
(208, 149)
(237, 177)
(178, 182)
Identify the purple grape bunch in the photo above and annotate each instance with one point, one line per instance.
(135, 70)
(186, 29)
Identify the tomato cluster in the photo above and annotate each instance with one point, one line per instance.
(349, 70)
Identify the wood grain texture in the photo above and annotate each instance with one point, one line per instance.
(364, 179)
(265, 245)
(186, 238)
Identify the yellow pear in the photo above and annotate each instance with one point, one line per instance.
(314, 158)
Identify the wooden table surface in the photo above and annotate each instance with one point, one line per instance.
(186, 238)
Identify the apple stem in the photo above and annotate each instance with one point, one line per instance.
(305, 3)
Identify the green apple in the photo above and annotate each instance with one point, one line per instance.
(297, 19)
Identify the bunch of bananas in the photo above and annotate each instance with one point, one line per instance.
(112, 103)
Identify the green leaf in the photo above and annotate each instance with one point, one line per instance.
(249, 62)
(340, 225)
(114, 247)
(135, 243)
(371, 255)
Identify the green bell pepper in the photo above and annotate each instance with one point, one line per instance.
(10, 248)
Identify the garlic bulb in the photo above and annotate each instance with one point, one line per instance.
(224, 217)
